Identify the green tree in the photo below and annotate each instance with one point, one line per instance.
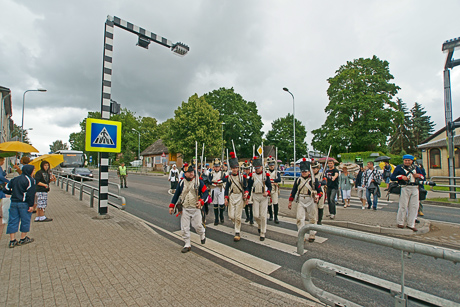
(194, 120)
(243, 124)
(281, 136)
(401, 137)
(421, 125)
(360, 109)
(18, 131)
(58, 145)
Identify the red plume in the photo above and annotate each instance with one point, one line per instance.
(232, 155)
(312, 160)
(185, 164)
(255, 158)
(245, 161)
(304, 159)
(269, 156)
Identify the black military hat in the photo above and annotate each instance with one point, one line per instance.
(305, 165)
(188, 168)
(256, 162)
(216, 162)
(233, 160)
(246, 164)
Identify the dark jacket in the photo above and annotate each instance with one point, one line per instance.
(359, 179)
(43, 177)
(22, 188)
(315, 187)
(229, 184)
(202, 193)
(402, 170)
(267, 183)
(3, 181)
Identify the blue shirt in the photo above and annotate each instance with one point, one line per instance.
(3, 180)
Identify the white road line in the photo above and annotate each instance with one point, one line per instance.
(292, 233)
(291, 249)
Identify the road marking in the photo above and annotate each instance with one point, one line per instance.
(292, 233)
(290, 249)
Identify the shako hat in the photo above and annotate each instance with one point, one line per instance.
(271, 160)
(246, 164)
(304, 165)
(256, 162)
(233, 160)
(315, 164)
(216, 162)
(188, 168)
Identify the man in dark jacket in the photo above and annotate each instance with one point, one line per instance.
(22, 191)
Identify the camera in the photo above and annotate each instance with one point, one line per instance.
(430, 183)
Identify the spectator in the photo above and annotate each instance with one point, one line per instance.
(387, 173)
(359, 187)
(22, 162)
(371, 181)
(332, 187)
(3, 182)
(173, 178)
(22, 191)
(346, 181)
(122, 174)
(43, 178)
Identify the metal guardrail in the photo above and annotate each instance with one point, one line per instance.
(407, 248)
(86, 189)
(82, 178)
(446, 178)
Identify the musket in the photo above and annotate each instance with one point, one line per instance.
(202, 155)
(228, 163)
(325, 165)
(276, 165)
(239, 170)
(197, 178)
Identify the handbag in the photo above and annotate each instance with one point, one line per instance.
(394, 188)
(422, 193)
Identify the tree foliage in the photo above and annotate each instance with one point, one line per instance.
(421, 124)
(58, 145)
(281, 136)
(401, 138)
(360, 109)
(18, 131)
(194, 120)
(243, 124)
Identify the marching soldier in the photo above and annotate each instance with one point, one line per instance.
(234, 195)
(306, 192)
(217, 193)
(275, 179)
(260, 187)
(190, 195)
(248, 204)
(316, 166)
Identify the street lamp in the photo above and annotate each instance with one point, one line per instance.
(23, 104)
(139, 147)
(293, 124)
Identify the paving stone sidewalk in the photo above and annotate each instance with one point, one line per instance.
(80, 261)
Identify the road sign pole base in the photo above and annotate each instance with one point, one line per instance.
(102, 217)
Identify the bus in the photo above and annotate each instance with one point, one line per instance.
(72, 159)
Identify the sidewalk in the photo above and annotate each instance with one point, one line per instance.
(80, 261)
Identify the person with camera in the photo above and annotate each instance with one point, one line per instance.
(371, 181)
(408, 176)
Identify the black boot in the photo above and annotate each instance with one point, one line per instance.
(222, 209)
(275, 211)
(216, 216)
(320, 216)
(270, 211)
(246, 210)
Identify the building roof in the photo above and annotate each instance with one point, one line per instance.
(443, 129)
(440, 143)
(156, 148)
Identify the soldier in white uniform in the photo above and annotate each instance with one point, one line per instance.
(306, 192)
(316, 166)
(275, 179)
(217, 191)
(260, 187)
(234, 195)
(188, 199)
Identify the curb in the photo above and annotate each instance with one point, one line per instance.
(425, 228)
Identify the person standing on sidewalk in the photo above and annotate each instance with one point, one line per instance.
(359, 187)
(332, 187)
(3, 182)
(173, 178)
(122, 174)
(306, 192)
(387, 173)
(248, 203)
(371, 181)
(191, 196)
(275, 179)
(346, 181)
(22, 191)
(260, 187)
(43, 178)
(408, 176)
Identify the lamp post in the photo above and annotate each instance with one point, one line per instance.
(293, 124)
(139, 147)
(23, 104)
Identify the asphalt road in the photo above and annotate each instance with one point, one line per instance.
(148, 199)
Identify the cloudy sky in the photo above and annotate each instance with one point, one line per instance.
(257, 47)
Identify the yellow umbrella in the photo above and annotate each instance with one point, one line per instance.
(382, 165)
(53, 159)
(17, 147)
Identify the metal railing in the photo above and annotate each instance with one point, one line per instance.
(401, 293)
(83, 178)
(443, 179)
(92, 191)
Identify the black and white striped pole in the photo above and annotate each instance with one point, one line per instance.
(144, 39)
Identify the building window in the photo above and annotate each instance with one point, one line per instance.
(435, 158)
(457, 157)
(157, 160)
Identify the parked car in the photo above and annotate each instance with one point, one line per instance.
(290, 172)
(81, 171)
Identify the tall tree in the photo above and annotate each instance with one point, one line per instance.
(58, 145)
(18, 131)
(401, 138)
(360, 109)
(243, 124)
(421, 124)
(281, 136)
(194, 120)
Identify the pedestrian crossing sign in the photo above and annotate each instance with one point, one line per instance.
(103, 135)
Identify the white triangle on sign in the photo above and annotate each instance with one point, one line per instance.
(103, 138)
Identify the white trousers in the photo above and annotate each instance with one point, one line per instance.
(259, 205)
(274, 196)
(235, 210)
(408, 205)
(193, 216)
(217, 195)
(306, 204)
